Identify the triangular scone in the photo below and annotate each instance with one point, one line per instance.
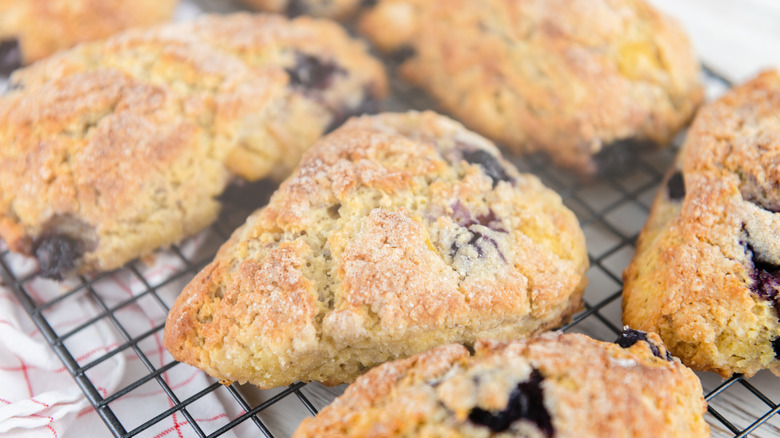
(118, 147)
(587, 82)
(396, 233)
(553, 385)
(706, 275)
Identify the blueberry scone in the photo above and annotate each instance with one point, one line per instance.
(337, 9)
(706, 274)
(113, 149)
(553, 385)
(396, 233)
(584, 81)
(33, 29)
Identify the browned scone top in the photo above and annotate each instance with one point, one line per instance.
(396, 233)
(336, 9)
(41, 27)
(553, 385)
(582, 80)
(706, 274)
(118, 147)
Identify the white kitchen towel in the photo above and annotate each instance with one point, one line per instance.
(38, 397)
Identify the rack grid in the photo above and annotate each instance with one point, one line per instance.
(611, 212)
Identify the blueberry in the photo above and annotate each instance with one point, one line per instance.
(57, 255)
(463, 217)
(675, 187)
(312, 73)
(10, 55)
(480, 242)
(461, 214)
(776, 347)
(766, 279)
(478, 239)
(526, 402)
(489, 163)
(630, 337)
(619, 156)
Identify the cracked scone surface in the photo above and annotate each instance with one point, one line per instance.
(584, 81)
(553, 385)
(118, 147)
(336, 9)
(395, 234)
(706, 273)
(41, 27)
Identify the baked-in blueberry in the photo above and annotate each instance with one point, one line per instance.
(526, 402)
(776, 347)
(477, 236)
(461, 214)
(675, 187)
(10, 55)
(463, 217)
(312, 73)
(766, 279)
(630, 337)
(489, 163)
(479, 242)
(57, 255)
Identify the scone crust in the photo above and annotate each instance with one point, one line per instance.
(43, 27)
(336, 9)
(589, 388)
(695, 276)
(573, 78)
(385, 242)
(124, 144)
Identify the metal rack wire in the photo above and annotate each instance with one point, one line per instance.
(611, 212)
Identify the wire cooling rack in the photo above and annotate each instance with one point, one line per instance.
(611, 212)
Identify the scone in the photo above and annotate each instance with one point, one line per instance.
(396, 233)
(42, 27)
(554, 385)
(706, 273)
(337, 9)
(113, 149)
(585, 81)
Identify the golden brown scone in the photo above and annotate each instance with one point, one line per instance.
(337, 9)
(115, 148)
(42, 27)
(396, 233)
(554, 385)
(706, 273)
(585, 81)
